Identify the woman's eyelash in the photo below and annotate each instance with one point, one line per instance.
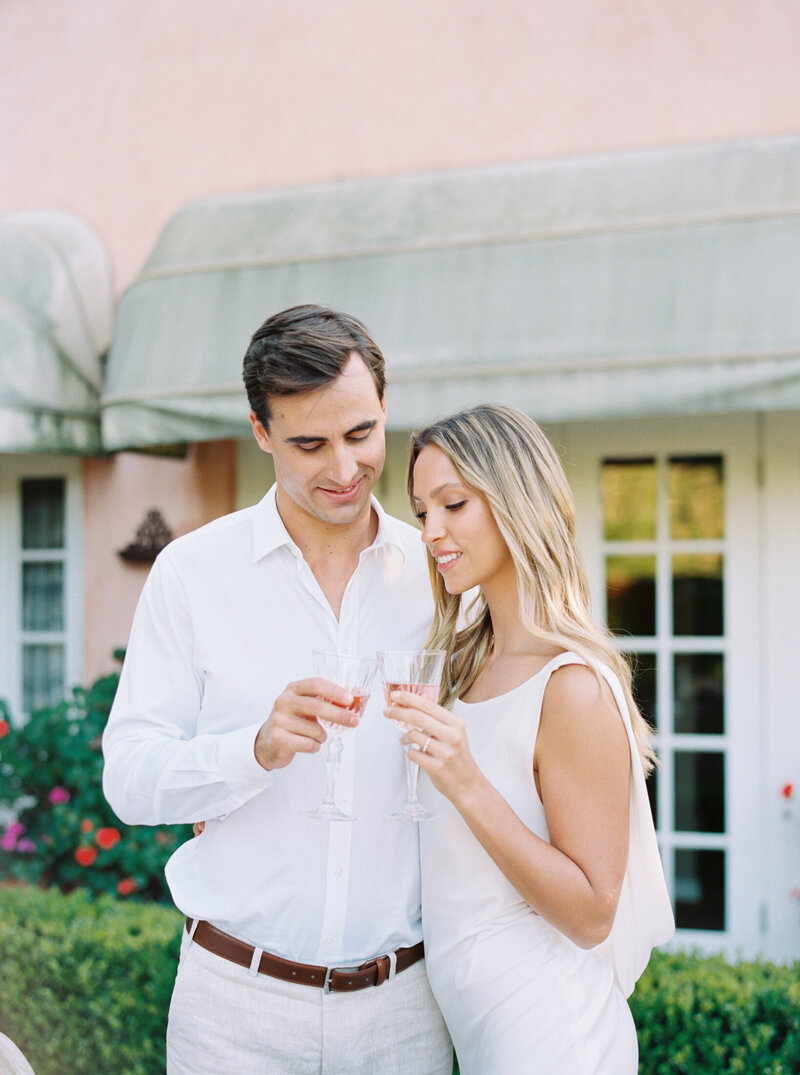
(448, 507)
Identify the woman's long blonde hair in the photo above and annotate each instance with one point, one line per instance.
(502, 454)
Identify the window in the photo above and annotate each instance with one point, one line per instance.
(664, 531)
(39, 583)
(43, 591)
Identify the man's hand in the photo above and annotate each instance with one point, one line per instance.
(293, 725)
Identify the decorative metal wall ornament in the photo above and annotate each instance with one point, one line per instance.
(151, 537)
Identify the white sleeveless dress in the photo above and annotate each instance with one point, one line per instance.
(517, 995)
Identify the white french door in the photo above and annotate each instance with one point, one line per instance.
(668, 515)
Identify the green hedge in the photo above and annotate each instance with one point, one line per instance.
(85, 981)
(697, 1016)
(85, 984)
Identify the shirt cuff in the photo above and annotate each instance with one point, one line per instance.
(237, 763)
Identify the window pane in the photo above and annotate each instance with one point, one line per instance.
(42, 676)
(697, 594)
(652, 795)
(699, 791)
(43, 597)
(43, 513)
(696, 506)
(629, 499)
(631, 594)
(643, 666)
(699, 889)
(699, 693)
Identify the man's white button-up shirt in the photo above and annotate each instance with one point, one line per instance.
(229, 615)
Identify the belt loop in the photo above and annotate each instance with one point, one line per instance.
(255, 962)
(392, 957)
(194, 923)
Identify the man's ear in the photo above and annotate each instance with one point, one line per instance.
(260, 433)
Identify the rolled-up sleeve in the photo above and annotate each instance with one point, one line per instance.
(158, 770)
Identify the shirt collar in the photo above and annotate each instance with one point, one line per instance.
(269, 532)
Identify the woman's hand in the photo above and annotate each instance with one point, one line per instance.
(440, 735)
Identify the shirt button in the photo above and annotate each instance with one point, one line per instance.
(338, 871)
(329, 940)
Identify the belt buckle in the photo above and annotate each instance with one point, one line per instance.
(326, 985)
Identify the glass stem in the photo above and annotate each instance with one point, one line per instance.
(332, 768)
(412, 775)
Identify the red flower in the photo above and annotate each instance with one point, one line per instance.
(106, 838)
(787, 791)
(85, 856)
(5, 728)
(87, 825)
(126, 886)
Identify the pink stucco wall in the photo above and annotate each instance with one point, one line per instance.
(124, 110)
(118, 493)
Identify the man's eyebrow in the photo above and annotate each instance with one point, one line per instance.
(362, 427)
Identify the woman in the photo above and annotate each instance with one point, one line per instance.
(543, 892)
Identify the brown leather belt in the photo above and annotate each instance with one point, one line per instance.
(330, 979)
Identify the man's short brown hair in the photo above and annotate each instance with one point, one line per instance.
(303, 349)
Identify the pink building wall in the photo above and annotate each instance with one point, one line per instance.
(118, 493)
(124, 110)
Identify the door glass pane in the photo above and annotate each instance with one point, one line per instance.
(43, 513)
(699, 889)
(696, 507)
(42, 676)
(652, 794)
(43, 597)
(697, 594)
(699, 693)
(629, 499)
(644, 684)
(699, 791)
(631, 594)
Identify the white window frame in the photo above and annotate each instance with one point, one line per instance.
(13, 470)
(735, 438)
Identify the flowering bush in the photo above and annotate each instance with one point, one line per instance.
(63, 832)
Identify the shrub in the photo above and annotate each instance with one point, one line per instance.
(697, 1015)
(86, 982)
(64, 832)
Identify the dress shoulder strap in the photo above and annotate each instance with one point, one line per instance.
(562, 659)
(568, 657)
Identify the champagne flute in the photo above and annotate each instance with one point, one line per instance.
(356, 675)
(420, 672)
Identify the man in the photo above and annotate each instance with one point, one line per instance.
(205, 728)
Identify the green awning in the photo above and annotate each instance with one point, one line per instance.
(656, 282)
(56, 311)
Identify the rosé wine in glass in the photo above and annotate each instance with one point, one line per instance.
(420, 672)
(357, 707)
(427, 690)
(356, 675)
